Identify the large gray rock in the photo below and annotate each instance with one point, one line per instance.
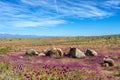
(54, 52)
(90, 52)
(76, 53)
(31, 52)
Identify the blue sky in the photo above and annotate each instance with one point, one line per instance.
(60, 17)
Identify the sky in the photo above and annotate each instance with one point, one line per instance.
(60, 17)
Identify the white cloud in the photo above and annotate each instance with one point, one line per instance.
(70, 8)
(35, 13)
(86, 11)
(36, 2)
(112, 4)
(23, 24)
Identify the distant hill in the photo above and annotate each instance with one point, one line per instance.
(17, 36)
(35, 36)
(25, 36)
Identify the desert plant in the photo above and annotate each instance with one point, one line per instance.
(5, 50)
(118, 66)
(3, 67)
(118, 74)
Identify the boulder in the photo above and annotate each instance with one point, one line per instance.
(90, 52)
(54, 52)
(109, 61)
(31, 52)
(76, 53)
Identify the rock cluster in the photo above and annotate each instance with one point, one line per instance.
(58, 53)
(73, 53)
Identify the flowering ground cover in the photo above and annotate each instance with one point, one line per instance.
(22, 67)
(15, 65)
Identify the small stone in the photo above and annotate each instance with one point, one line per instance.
(105, 65)
(109, 61)
(41, 54)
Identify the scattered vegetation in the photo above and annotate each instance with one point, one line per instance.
(5, 50)
(118, 74)
(21, 67)
(98, 42)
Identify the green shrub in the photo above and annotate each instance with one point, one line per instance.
(5, 50)
(118, 70)
(3, 67)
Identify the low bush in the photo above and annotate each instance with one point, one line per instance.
(5, 50)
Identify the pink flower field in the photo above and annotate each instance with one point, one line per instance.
(16, 65)
(23, 67)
